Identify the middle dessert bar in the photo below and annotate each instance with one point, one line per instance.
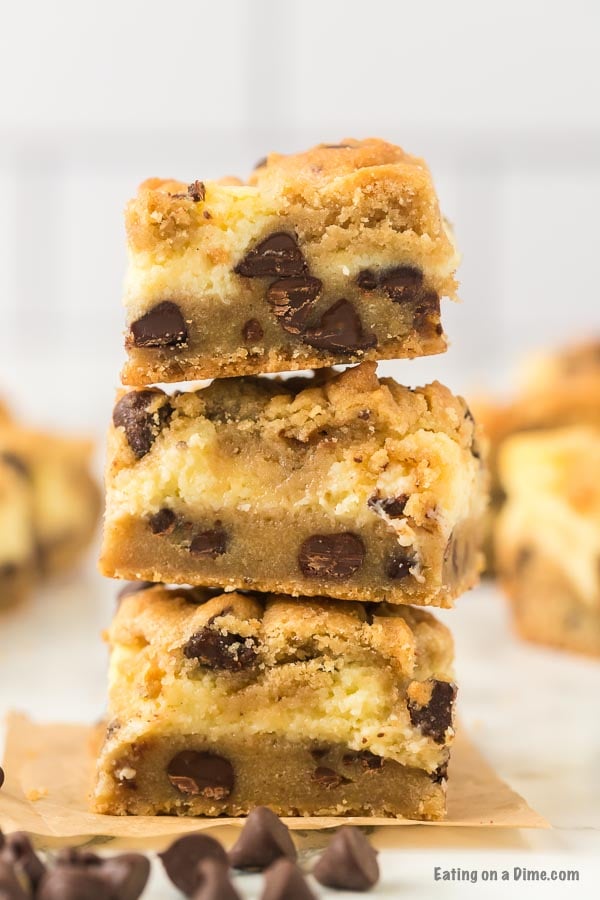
(343, 485)
(313, 707)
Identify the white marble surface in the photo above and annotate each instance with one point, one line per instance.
(533, 712)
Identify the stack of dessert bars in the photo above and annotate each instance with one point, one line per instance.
(302, 523)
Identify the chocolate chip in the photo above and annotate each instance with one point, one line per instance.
(132, 587)
(16, 463)
(182, 857)
(126, 874)
(435, 717)
(197, 773)
(524, 556)
(216, 650)
(291, 300)
(10, 888)
(402, 283)
(391, 506)
(264, 839)
(318, 753)
(331, 555)
(328, 778)
(340, 329)
(399, 564)
(369, 761)
(74, 883)
(1, 783)
(277, 255)
(252, 331)
(439, 775)
(211, 543)
(18, 851)
(162, 326)
(143, 415)
(284, 881)
(163, 521)
(214, 883)
(427, 313)
(367, 280)
(196, 191)
(349, 862)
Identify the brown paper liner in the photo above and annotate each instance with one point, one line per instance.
(49, 775)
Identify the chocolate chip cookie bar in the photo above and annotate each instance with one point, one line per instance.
(335, 255)
(548, 535)
(63, 496)
(17, 536)
(219, 702)
(343, 485)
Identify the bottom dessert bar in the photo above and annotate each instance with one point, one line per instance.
(548, 536)
(221, 702)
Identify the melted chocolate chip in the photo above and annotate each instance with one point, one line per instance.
(252, 331)
(162, 326)
(328, 778)
(277, 255)
(215, 650)
(162, 522)
(399, 565)
(349, 862)
(182, 858)
(284, 881)
(211, 543)
(143, 420)
(331, 555)
(195, 773)
(264, 839)
(340, 329)
(391, 506)
(291, 300)
(367, 280)
(436, 716)
(369, 761)
(402, 283)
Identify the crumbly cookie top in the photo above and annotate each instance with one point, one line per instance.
(235, 632)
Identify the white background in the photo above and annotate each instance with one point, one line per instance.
(502, 99)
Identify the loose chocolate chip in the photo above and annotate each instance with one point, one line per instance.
(126, 874)
(391, 506)
(215, 650)
(18, 850)
(211, 543)
(162, 326)
(181, 860)
(16, 463)
(277, 255)
(252, 331)
(349, 862)
(331, 555)
(435, 717)
(440, 774)
(340, 329)
(196, 191)
(10, 888)
(366, 280)
(369, 761)
(214, 883)
(142, 424)
(264, 839)
(74, 883)
(163, 521)
(284, 881)
(399, 565)
(402, 283)
(197, 773)
(132, 587)
(328, 778)
(291, 300)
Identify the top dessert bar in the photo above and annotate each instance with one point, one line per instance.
(335, 255)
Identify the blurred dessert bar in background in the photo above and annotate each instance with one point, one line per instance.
(334, 255)
(341, 485)
(548, 535)
(221, 702)
(553, 389)
(49, 504)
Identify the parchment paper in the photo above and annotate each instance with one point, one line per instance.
(49, 773)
